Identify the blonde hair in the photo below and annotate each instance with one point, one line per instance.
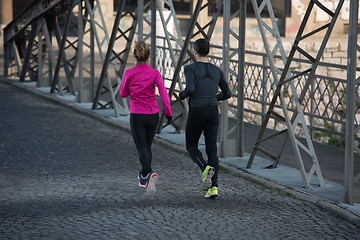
(141, 51)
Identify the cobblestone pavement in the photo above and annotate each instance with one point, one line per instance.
(65, 175)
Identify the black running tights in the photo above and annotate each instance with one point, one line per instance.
(203, 119)
(143, 128)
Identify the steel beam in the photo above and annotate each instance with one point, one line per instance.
(224, 121)
(233, 54)
(35, 29)
(153, 35)
(19, 34)
(240, 150)
(61, 58)
(286, 77)
(45, 49)
(195, 30)
(351, 193)
(125, 34)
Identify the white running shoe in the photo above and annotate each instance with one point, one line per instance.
(151, 189)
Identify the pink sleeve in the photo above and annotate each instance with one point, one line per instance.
(163, 94)
(124, 90)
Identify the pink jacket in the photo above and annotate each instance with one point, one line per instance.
(139, 82)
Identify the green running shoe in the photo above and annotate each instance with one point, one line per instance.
(212, 193)
(206, 176)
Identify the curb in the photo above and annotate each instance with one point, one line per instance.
(268, 183)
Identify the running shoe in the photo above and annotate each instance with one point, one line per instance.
(150, 188)
(143, 180)
(212, 193)
(206, 176)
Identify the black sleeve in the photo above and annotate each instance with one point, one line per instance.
(225, 90)
(190, 84)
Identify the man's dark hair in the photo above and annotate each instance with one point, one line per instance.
(202, 46)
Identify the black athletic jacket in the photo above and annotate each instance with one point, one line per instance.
(202, 83)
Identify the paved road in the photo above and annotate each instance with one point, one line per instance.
(64, 175)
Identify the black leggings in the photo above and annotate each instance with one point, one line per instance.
(143, 128)
(203, 119)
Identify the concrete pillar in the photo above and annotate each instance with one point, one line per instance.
(6, 13)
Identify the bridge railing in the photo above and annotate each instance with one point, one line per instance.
(324, 105)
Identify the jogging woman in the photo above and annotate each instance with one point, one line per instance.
(203, 80)
(139, 82)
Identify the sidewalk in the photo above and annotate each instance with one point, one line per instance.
(285, 179)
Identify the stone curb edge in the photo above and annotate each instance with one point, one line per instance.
(323, 203)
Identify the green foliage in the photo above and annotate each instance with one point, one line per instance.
(332, 139)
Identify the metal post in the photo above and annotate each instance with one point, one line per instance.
(241, 70)
(92, 59)
(153, 35)
(140, 19)
(225, 67)
(40, 61)
(62, 50)
(85, 52)
(350, 101)
(49, 46)
(30, 40)
(264, 90)
(312, 107)
(7, 54)
(108, 54)
(80, 53)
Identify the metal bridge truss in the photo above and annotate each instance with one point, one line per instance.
(235, 76)
(77, 51)
(66, 65)
(30, 39)
(127, 35)
(69, 50)
(172, 42)
(352, 124)
(27, 40)
(186, 56)
(297, 119)
(123, 35)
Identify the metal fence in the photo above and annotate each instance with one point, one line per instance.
(56, 47)
(323, 106)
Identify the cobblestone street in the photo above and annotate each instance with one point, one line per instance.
(65, 175)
